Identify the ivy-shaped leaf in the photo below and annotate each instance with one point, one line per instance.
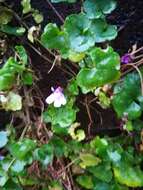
(106, 69)
(85, 181)
(103, 31)
(128, 175)
(53, 38)
(63, 116)
(125, 99)
(22, 148)
(103, 172)
(80, 36)
(44, 154)
(97, 8)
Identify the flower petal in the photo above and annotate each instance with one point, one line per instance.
(50, 99)
(63, 100)
(57, 103)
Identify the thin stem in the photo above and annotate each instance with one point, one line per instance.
(39, 53)
(139, 63)
(138, 57)
(55, 11)
(66, 167)
(136, 51)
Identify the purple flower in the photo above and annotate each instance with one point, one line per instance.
(1, 157)
(57, 97)
(127, 58)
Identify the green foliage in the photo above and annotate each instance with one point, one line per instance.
(5, 15)
(8, 29)
(13, 102)
(44, 154)
(12, 68)
(103, 31)
(128, 175)
(97, 8)
(127, 96)
(85, 181)
(78, 28)
(26, 4)
(53, 38)
(104, 61)
(3, 138)
(63, 116)
(22, 149)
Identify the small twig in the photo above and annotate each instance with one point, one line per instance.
(89, 116)
(136, 51)
(39, 53)
(138, 63)
(55, 11)
(66, 167)
(138, 57)
(72, 72)
(54, 62)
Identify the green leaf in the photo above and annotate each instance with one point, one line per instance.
(104, 100)
(6, 81)
(114, 156)
(85, 181)
(80, 36)
(27, 78)
(18, 166)
(128, 126)
(100, 145)
(103, 172)
(125, 97)
(78, 134)
(22, 148)
(13, 103)
(128, 175)
(97, 8)
(54, 185)
(16, 31)
(103, 31)
(5, 15)
(106, 69)
(26, 4)
(89, 160)
(3, 178)
(38, 17)
(9, 72)
(44, 154)
(59, 146)
(53, 38)
(63, 116)
(11, 185)
(3, 138)
(73, 87)
(22, 54)
(75, 57)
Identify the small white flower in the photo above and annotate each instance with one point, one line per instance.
(3, 99)
(57, 97)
